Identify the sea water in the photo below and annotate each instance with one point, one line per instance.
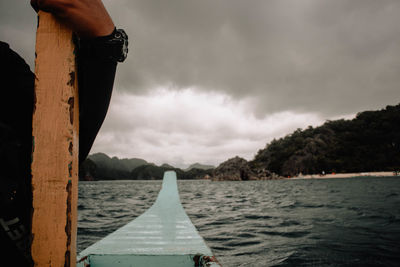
(310, 222)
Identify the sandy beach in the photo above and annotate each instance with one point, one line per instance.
(345, 175)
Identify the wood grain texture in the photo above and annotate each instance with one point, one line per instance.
(55, 146)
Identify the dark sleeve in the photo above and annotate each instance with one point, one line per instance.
(16, 87)
(96, 79)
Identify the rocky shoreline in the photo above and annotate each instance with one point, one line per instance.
(239, 169)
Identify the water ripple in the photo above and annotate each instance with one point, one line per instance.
(319, 222)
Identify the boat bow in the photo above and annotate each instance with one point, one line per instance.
(162, 236)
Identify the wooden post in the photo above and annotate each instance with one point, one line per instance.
(55, 146)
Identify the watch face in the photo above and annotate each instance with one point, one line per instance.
(122, 38)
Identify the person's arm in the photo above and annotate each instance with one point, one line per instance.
(95, 83)
(87, 18)
(90, 21)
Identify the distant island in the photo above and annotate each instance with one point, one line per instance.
(368, 143)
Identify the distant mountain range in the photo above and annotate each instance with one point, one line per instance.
(166, 165)
(200, 166)
(116, 163)
(100, 166)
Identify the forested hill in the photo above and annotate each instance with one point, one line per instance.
(100, 166)
(105, 161)
(369, 142)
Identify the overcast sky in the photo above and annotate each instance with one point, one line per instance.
(208, 80)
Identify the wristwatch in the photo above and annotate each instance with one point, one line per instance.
(112, 47)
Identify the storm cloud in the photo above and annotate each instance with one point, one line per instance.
(301, 61)
(336, 57)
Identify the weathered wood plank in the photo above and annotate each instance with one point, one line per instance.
(55, 146)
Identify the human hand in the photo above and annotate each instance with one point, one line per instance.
(87, 18)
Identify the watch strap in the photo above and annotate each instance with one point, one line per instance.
(110, 47)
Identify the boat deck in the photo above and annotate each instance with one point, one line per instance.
(162, 236)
